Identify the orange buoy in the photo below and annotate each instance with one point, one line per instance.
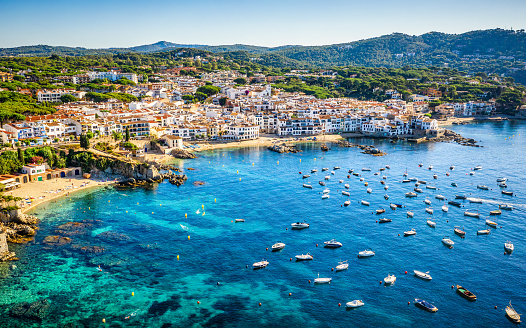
(290, 294)
(266, 249)
(380, 282)
(316, 245)
(495, 307)
(198, 302)
(103, 320)
(408, 303)
(259, 304)
(339, 304)
(291, 258)
(309, 281)
(406, 272)
(452, 286)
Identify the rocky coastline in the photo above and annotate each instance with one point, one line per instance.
(283, 148)
(366, 149)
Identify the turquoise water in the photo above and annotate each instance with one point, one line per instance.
(144, 231)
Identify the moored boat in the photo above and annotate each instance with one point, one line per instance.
(304, 257)
(425, 305)
(342, 265)
(332, 244)
(454, 184)
(300, 225)
(491, 223)
(313, 171)
(346, 193)
(306, 185)
(239, 220)
(427, 201)
(478, 167)
(475, 200)
(390, 279)
(325, 169)
(364, 202)
(306, 176)
(429, 210)
(432, 224)
(346, 186)
(384, 220)
(482, 187)
(325, 196)
(448, 242)
(452, 202)
(367, 253)
(460, 197)
(278, 246)
(422, 275)
(440, 197)
(386, 196)
(410, 214)
(483, 232)
(495, 212)
(380, 211)
(502, 179)
(431, 187)
(508, 247)
(418, 190)
(466, 293)
(507, 193)
(322, 280)
(392, 206)
(459, 232)
(506, 207)
(472, 213)
(260, 265)
(354, 304)
(445, 208)
(411, 232)
(347, 203)
(322, 183)
(512, 314)
(411, 194)
(369, 190)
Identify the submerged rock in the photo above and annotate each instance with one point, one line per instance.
(112, 236)
(37, 310)
(56, 240)
(83, 227)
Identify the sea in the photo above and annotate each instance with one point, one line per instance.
(169, 256)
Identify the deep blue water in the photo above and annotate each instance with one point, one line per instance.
(143, 257)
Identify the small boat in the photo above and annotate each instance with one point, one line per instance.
(413, 179)
(260, 265)
(350, 171)
(454, 184)
(367, 253)
(366, 203)
(386, 196)
(346, 186)
(460, 197)
(425, 305)
(429, 210)
(390, 279)
(502, 185)
(366, 169)
(435, 176)
(346, 193)
(495, 212)
(427, 201)
(445, 208)
(239, 220)
(440, 197)
(382, 182)
(430, 167)
(306, 176)
(380, 211)
(448, 242)
(422, 275)
(384, 220)
(393, 206)
(411, 232)
(406, 181)
(278, 246)
(508, 247)
(420, 164)
(336, 168)
(386, 187)
(313, 171)
(388, 167)
(347, 203)
(460, 232)
(341, 181)
(418, 190)
(333, 173)
(483, 232)
(300, 225)
(354, 304)
(325, 196)
(471, 173)
(491, 223)
(356, 174)
(343, 265)
(322, 280)
(431, 223)
(452, 202)
(422, 181)
(326, 190)
(475, 200)
(482, 187)
(384, 177)
(327, 177)
(325, 169)
(452, 167)
(502, 179)
(471, 213)
(324, 147)
(304, 257)
(322, 183)
(417, 184)
(306, 185)
(411, 194)
(506, 207)
(431, 187)
(478, 167)
(512, 314)
(332, 244)
(369, 190)
(410, 214)
(361, 179)
(507, 193)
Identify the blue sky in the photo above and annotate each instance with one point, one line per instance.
(125, 23)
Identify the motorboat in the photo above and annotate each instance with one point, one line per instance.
(512, 314)
(369, 190)
(384, 177)
(366, 203)
(393, 206)
(440, 197)
(260, 265)
(350, 171)
(366, 169)
(386, 187)
(425, 305)
(333, 173)
(418, 190)
(336, 168)
(325, 169)
(362, 179)
(406, 181)
(326, 190)
(476, 168)
(430, 167)
(482, 187)
(341, 181)
(342, 265)
(507, 193)
(471, 213)
(366, 184)
(460, 197)
(313, 171)
(388, 167)
(355, 304)
(495, 212)
(327, 177)
(491, 223)
(322, 280)
(347, 203)
(299, 225)
(346, 186)
(306, 176)
(448, 242)
(431, 187)
(417, 184)
(333, 244)
(475, 200)
(239, 220)
(413, 179)
(422, 181)
(435, 176)
(427, 201)
(278, 246)
(451, 167)
(502, 184)
(322, 183)
(411, 232)
(459, 232)
(422, 275)
(420, 164)
(483, 232)
(304, 257)
(411, 194)
(508, 247)
(431, 223)
(506, 207)
(445, 208)
(325, 196)
(390, 279)
(376, 173)
(429, 210)
(502, 179)
(306, 185)
(384, 220)
(367, 253)
(356, 174)
(454, 184)
(452, 202)
(346, 193)
(386, 196)
(410, 214)
(382, 182)
(380, 211)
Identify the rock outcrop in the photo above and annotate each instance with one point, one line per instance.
(37, 310)
(181, 153)
(283, 148)
(5, 254)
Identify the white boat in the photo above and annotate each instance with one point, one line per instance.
(260, 265)
(431, 223)
(427, 201)
(366, 169)
(361, 179)
(325, 169)
(278, 246)
(475, 200)
(390, 279)
(239, 220)
(369, 190)
(483, 232)
(429, 210)
(506, 207)
(342, 265)
(341, 181)
(440, 197)
(445, 208)
(313, 171)
(512, 314)
(300, 225)
(422, 275)
(326, 190)
(452, 167)
(411, 232)
(346, 193)
(384, 177)
(366, 203)
(346, 186)
(478, 167)
(322, 280)
(327, 177)
(367, 253)
(411, 194)
(333, 173)
(418, 190)
(435, 176)
(386, 196)
(325, 196)
(354, 304)
(448, 242)
(410, 214)
(336, 168)
(347, 203)
(386, 187)
(333, 244)
(388, 167)
(304, 257)
(454, 184)
(393, 206)
(483, 187)
(431, 187)
(306, 185)
(413, 179)
(502, 179)
(508, 247)
(471, 213)
(471, 173)
(430, 167)
(491, 223)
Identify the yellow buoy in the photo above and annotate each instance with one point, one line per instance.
(133, 294)
(152, 212)
(108, 201)
(278, 162)
(185, 215)
(300, 160)
(203, 206)
(137, 203)
(239, 180)
(103, 320)
(188, 237)
(215, 200)
(237, 171)
(89, 208)
(177, 257)
(126, 211)
(314, 158)
(252, 164)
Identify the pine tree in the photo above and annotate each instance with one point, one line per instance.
(127, 134)
(21, 157)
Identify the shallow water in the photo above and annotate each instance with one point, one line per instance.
(144, 231)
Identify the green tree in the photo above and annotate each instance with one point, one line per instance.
(84, 141)
(116, 135)
(209, 90)
(68, 98)
(127, 134)
(240, 80)
(21, 156)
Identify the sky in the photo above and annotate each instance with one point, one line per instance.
(126, 23)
